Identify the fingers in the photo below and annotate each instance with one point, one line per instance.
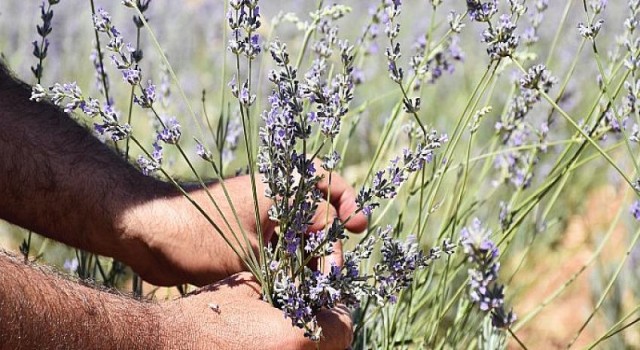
(334, 258)
(323, 217)
(337, 328)
(343, 197)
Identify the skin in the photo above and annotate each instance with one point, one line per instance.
(61, 182)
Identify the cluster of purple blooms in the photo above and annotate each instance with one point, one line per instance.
(244, 19)
(482, 11)
(440, 62)
(516, 166)
(70, 97)
(300, 298)
(591, 30)
(123, 57)
(501, 38)
(386, 182)
(484, 290)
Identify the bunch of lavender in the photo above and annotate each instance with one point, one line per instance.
(286, 161)
(484, 290)
(70, 97)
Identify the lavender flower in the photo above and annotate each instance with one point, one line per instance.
(41, 48)
(72, 95)
(131, 75)
(501, 39)
(482, 11)
(149, 166)
(148, 96)
(538, 78)
(202, 152)
(590, 31)
(290, 299)
(516, 167)
(484, 290)
(111, 126)
(386, 182)
(124, 56)
(597, 6)
(170, 132)
(399, 263)
(635, 210)
(244, 19)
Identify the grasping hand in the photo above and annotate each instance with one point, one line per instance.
(184, 247)
(230, 315)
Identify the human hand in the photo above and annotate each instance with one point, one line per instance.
(182, 246)
(230, 315)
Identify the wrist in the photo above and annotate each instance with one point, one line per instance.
(142, 219)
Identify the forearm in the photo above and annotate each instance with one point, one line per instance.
(58, 180)
(39, 310)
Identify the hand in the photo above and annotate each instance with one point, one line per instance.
(240, 320)
(180, 245)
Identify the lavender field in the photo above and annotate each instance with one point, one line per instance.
(493, 146)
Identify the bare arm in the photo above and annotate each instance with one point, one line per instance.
(40, 310)
(60, 181)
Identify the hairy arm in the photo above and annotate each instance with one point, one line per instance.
(60, 181)
(40, 310)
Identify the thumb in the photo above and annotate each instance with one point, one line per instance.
(334, 258)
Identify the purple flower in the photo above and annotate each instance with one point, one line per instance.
(148, 96)
(484, 290)
(202, 152)
(171, 132)
(150, 166)
(501, 39)
(131, 76)
(71, 265)
(102, 20)
(385, 183)
(635, 210)
(482, 11)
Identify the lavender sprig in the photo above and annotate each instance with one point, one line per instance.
(516, 166)
(484, 290)
(386, 183)
(40, 49)
(70, 97)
